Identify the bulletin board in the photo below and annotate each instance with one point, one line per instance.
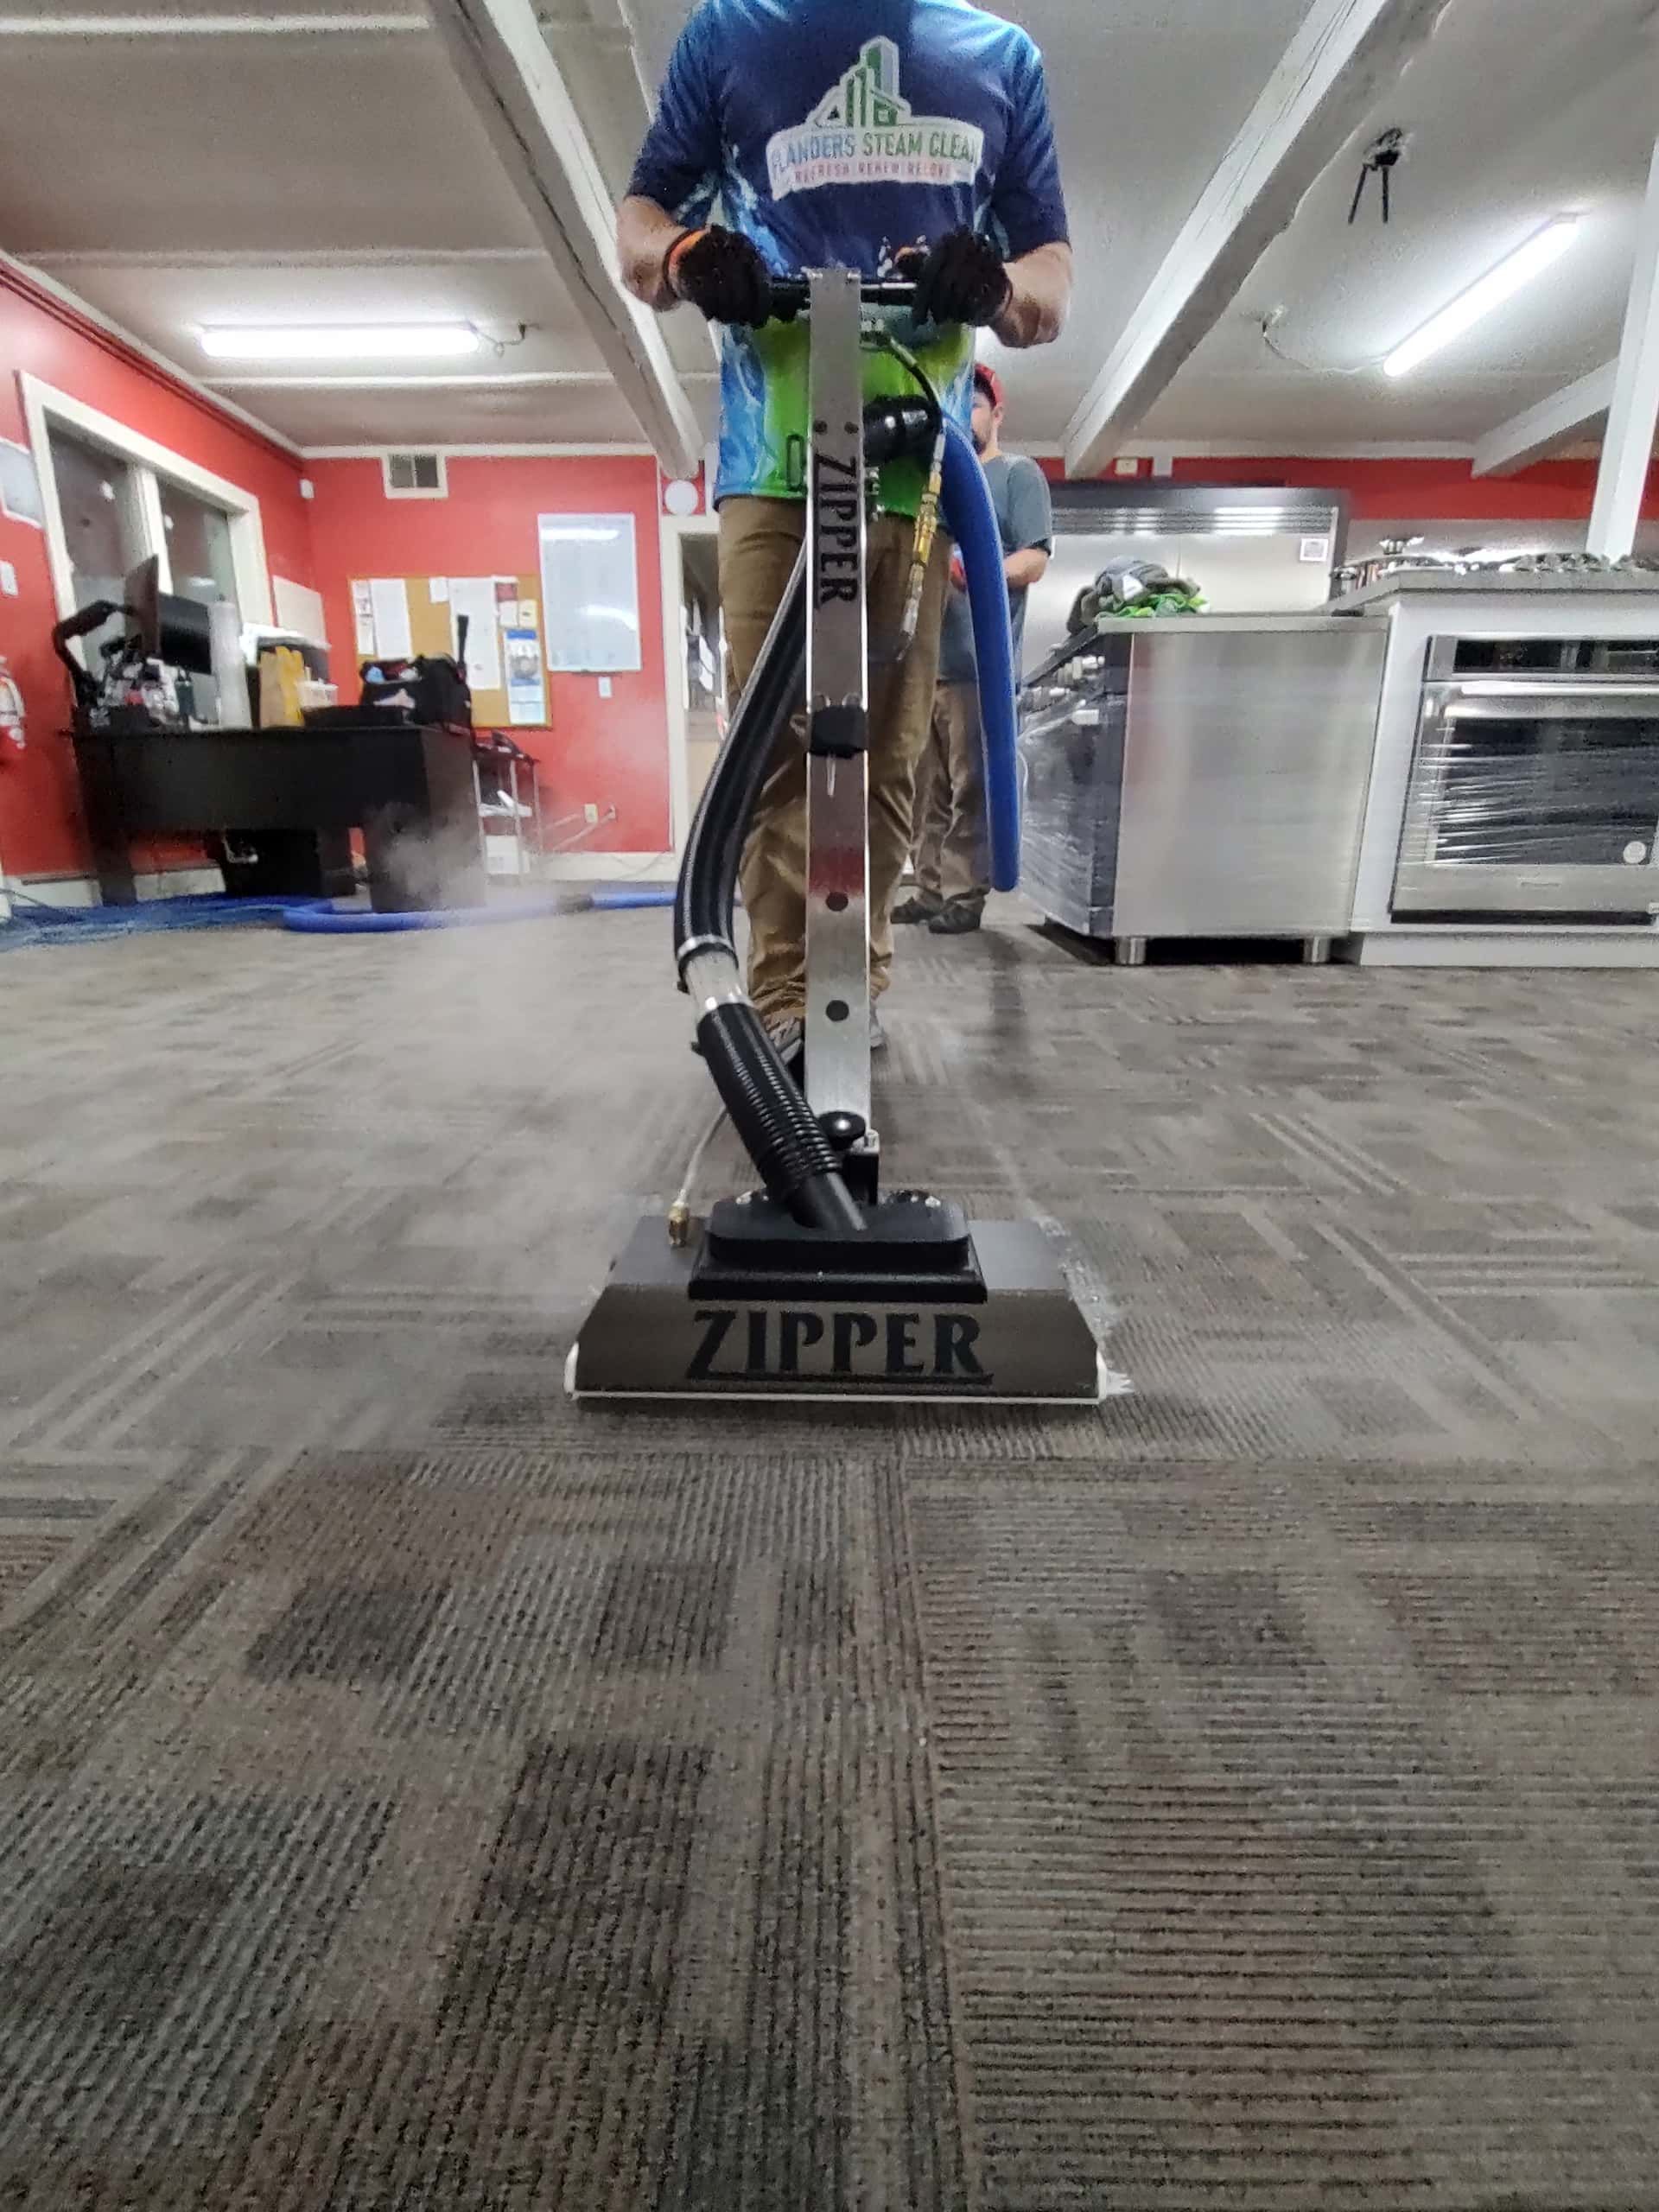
(430, 630)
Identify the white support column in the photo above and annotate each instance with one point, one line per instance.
(1627, 448)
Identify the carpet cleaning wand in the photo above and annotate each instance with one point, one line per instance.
(927, 514)
(927, 527)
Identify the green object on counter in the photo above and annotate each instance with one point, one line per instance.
(1094, 607)
(1155, 603)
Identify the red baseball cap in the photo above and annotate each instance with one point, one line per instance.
(988, 381)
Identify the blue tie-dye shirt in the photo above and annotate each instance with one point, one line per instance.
(836, 132)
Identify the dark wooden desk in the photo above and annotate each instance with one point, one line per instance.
(410, 791)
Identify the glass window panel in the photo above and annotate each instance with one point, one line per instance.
(198, 546)
(199, 555)
(98, 500)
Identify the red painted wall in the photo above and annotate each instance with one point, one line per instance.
(40, 831)
(614, 752)
(1427, 491)
(1415, 490)
(594, 751)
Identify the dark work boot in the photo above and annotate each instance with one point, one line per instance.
(957, 918)
(917, 908)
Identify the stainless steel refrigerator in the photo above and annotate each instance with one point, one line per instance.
(1250, 550)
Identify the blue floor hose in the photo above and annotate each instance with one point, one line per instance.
(34, 922)
(39, 924)
(616, 898)
(356, 921)
(363, 921)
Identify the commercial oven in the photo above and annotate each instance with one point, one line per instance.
(1534, 781)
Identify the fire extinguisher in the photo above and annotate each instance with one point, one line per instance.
(11, 713)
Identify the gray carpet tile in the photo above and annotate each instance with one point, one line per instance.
(418, 1792)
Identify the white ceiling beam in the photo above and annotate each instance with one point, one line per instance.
(1344, 58)
(1558, 421)
(1633, 416)
(505, 64)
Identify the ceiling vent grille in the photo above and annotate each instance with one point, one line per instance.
(1177, 510)
(415, 475)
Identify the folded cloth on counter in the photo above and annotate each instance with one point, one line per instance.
(1137, 588)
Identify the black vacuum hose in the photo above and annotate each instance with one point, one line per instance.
(796, 1162)
(780, 1133)
(777, 688)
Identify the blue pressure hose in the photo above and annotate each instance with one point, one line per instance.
(971, 520)
(324, 920)
(318, 917)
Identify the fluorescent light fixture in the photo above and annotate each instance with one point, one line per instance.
(1512, 275)
(338, 341)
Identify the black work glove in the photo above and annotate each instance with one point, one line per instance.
(721, 273)
(961, 279)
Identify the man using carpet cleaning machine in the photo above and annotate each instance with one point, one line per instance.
(931, 134)
(894, 137)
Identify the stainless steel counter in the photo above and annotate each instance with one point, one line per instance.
(1428, 584)
(1213, 626)
(1202, 776)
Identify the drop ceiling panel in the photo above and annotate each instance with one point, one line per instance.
(166, 305)
(254, 145)
(216, 176)
(477, 414)
(1520, 110)
(53, 13)
(470, 414)
(1315, 415)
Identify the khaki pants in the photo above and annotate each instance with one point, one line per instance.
(952, 860)
(758, 541)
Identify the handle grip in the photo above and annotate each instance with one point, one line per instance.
(790, 295)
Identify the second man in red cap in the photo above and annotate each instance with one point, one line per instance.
(948, 838)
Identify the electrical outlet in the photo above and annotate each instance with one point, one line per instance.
(590, 815)
(7, 579)
(605, 687)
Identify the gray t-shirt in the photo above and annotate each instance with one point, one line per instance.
(1025, 515)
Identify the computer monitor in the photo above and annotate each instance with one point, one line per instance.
(169, 629)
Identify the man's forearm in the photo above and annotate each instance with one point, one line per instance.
(1028, 567)
(1040, 293)
(644, 234)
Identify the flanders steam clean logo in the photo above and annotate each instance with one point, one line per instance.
(862, 132)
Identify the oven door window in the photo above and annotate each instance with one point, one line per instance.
(1537, 790)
